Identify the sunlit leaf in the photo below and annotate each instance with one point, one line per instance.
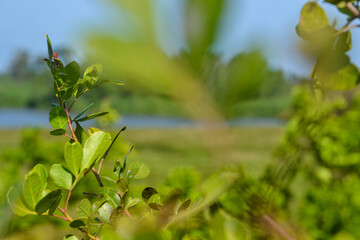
(110, 196)
(102, 81)
(60, 176)
(94, 148)
(58, 118)
(73, 154)
(33, 187)
(105, 212)
(16, 205)
(313, 18)
(85, 209)
(138, 170)
(335, 72)
(92, 75)
(70, 237)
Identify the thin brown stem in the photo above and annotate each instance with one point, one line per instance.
(67, 200)
(72, 104)
(97, 176)
(67, 135)
(63, 218)
(70, 125)
(274, 228)
(347, 28)
(100, 165)
(127, 213)
(353, 9)
(61, 210)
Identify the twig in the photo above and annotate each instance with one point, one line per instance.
(67, 200)
(67, 135)
(353, 9)
(97, 176)
(275, 228)
(72, 104)
(108, 149)
(347, 28)
(70, 124)
(61, 210)
(92, 194)
(63, 218)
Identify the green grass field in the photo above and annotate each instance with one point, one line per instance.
(164, 149)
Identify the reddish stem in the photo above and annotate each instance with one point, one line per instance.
(61, 210)
(127, 213)
(67, 200)
(70, 125)
(63, 218)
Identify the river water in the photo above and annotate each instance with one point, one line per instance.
(20, 118)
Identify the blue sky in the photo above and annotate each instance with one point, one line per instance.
(24, 24)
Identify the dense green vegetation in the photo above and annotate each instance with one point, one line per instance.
(269, 95)
(227, 185)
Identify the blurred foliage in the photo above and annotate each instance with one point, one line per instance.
(308, 191)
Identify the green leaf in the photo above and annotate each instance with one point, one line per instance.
(49, 202)
(335, 72)
(60, 176)
(72, 74)
(70, 237)
(105, 212)
(78, 223)
(138, 170)
(343, 42)
(16, 205)
(147, 193)
(92, 75)
(184, 205)
(155, 206)
(41, 171)
(110, 196)
(313, 18)
(122, 169)
(155, 198)
(214, 187)
(83, 111)
(73, 154)
(94, 148)
(85, 209)
(91, 116)
(122, 186)
(58, 118)
(102, 81)
(58, 132)
(80, 134)
(132, 202)
(93, 130)
(33, 187)
(50, 51)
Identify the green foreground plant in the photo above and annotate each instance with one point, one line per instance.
(316, 150)
(48, 192)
